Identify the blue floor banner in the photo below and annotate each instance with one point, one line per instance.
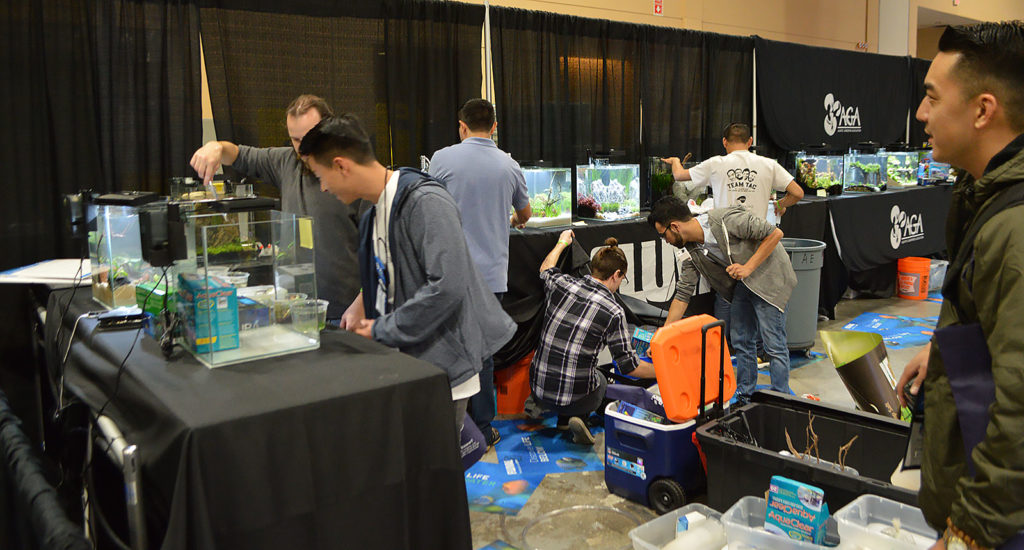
(498, 545)
(490, 488)
(537, 447)
(897, 331)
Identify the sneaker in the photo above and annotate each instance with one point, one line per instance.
(580, 433)
(492, 436)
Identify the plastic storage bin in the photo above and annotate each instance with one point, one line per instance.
(653, 464)
(861, 523)
(744, 527)
(937, 274)
(807, 257)
(661, 530)
(741, 461)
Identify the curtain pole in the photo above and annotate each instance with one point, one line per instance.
(488, 69)
(753, 123)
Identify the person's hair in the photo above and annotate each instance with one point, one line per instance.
(737, 132)
(667, 210)
(991, 57)
(340, 136)
(608, 260)
(302, 104)
(478, 114)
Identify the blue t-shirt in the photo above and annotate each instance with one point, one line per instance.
(487, 185)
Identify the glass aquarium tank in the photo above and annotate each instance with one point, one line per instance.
(550, 195)
(115, 249)
(247, 289)
(819, 174)
(660, 178)
(901, 167)
(930, 172)
(607, 191)
(863, 172)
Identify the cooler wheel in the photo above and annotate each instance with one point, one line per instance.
(665, 495)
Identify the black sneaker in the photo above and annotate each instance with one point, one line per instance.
(563, 423)
(492, 436)
(580, 433)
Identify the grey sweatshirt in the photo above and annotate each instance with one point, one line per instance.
(335, 224)
(739, 233)
(444, 312)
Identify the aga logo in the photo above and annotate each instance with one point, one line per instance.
(906, 228)
(839, 118)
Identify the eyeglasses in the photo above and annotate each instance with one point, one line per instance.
(662, 233)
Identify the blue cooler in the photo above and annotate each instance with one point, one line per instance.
(649, 459)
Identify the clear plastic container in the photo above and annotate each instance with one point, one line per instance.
(862, 522)
(744, 527)
(937, 274)
(660, 531)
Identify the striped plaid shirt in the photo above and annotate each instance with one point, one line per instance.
(580, 317)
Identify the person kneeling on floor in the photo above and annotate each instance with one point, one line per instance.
(580, 317)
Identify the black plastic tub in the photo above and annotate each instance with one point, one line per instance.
(738, 468)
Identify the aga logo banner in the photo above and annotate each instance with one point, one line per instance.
(840, 119)
(906, 227)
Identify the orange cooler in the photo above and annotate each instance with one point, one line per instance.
(675, 352)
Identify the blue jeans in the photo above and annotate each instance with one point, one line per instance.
(484, 405)
(750, 316)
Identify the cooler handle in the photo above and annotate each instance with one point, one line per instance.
(719, 406)
(644, 434)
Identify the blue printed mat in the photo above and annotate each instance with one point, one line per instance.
(898, 331)
(491, 488)
(537, 447)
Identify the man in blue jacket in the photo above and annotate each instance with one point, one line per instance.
(421, 292)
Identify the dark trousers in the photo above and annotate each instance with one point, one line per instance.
(484, 405)
(583, 406)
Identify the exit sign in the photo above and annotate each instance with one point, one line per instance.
(659, 7)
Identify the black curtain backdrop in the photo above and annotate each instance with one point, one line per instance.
(565, 83)
(730, 86)
(918, 69)
(433, 66)
(93, 95)
(673, 90)
(809, 95)
(261, 55)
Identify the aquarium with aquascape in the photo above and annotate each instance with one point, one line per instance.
(660, 177)
(550, 195)
(901, 167)
(247, 288)
(115, 249)
(607, 191)
(863, 172)
(819, 174)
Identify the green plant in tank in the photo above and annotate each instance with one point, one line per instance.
(870, 168)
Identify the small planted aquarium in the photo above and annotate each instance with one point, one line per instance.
(607, 191)
(930, 172)
(901, 167)
(115, 248)
(819, 174)
(550, 195)
(863, 172)
(659, 175)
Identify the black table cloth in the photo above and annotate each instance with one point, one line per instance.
(348, 446)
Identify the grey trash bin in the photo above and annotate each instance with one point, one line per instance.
(807, 256)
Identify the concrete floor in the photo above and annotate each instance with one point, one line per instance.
(604, 528)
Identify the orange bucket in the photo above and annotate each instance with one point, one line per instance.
(912, 277)
(675, 351)
(513, 386)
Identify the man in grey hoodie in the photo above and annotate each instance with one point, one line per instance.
(421, 292)
(739, 255)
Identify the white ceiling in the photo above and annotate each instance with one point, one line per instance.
(927, 18)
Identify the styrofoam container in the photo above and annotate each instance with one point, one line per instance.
(661, 530)
(937, 274)
(744, 527)
(861, 523)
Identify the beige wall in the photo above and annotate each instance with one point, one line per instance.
(928, 42)
(979, 10)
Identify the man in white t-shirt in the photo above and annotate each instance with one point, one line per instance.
(740, 177)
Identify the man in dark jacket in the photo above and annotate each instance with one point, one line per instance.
(973, 112)
(421, 292)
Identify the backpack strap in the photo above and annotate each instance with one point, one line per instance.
(1007, 198)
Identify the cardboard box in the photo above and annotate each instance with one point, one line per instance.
(252, 314)
(642, 341)
(209, 314)
(796, 510)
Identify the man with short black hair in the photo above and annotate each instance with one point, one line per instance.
(972, 471)
(334, 222)
(421, 292)
(486, 184)
(739, 255)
